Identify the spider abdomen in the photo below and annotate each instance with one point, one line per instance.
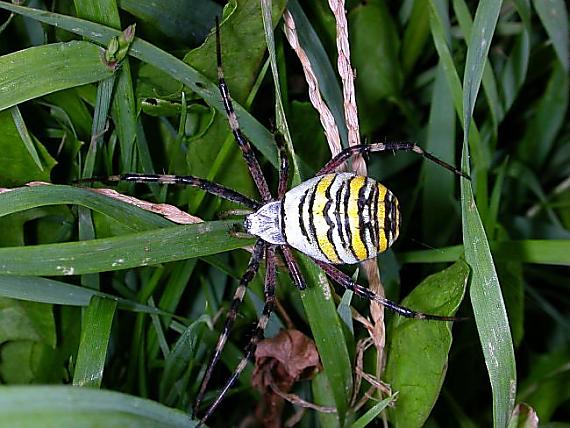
(340, 218)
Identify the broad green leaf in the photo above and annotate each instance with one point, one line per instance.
(181, 21)
(29, 321)
(418, 350)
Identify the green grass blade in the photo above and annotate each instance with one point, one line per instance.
(486, 297)
(137, 249)
(43, 290)
(374, 411)
(328, 334)
(41, 70)
(478, 47)
(554, 16)
(25, 136)
(66, 406)
(489, 309)
(539, 251)
(26, 198)
(95, 336)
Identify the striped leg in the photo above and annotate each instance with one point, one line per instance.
(293, 267)
(283, 168)
(344, 155)
(252, 269)
(243, 143)
(347, 282)
(185, 180)
(270, 279)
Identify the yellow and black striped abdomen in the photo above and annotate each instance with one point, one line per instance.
(340, 218)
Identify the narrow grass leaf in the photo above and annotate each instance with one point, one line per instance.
(138, 249)
(539, 251)
(25, 136)
(489, 309)
(25, 198)
(41, 70)
(95, 336)
(43, 290)
(374, 411)
(554, 16)
(67, 406)
(328, 334)
(178, 363)
(478, 47)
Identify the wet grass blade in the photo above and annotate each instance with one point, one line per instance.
(67, 406)
(41, 70)
(95, 335)
(485, 292)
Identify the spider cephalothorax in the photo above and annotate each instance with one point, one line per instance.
(334, 218)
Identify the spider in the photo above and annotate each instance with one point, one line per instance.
(334, 218)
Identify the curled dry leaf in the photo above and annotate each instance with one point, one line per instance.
(279, 363)
(170, 212)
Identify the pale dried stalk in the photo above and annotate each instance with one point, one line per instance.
(345, 72)
(326, 117)
(378, 332)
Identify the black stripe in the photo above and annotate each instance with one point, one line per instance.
(369, 201)
(282, 214)
(375, 197)
(347, 218)
(394, 223)
(311, 208)
(328, 219)
(389, 204)
(339, 223)
(361, 225)
(301, 223)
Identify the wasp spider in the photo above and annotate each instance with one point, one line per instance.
(334, 218)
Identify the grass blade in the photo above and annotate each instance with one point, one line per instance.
(66, 406)
(95, 336)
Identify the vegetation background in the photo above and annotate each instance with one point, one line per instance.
(89, 284)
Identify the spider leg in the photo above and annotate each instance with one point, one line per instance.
(283, 168)
(348, 283)
(344, 155)
(186, 180)
(293, 267)
(243, 143)
(252, 269)
(270, 280)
